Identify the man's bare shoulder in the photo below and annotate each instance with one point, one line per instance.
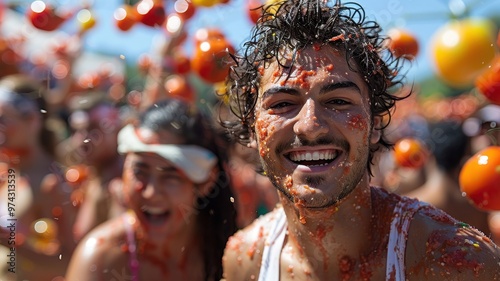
(102, 251)
(441, 248)
(243, 253)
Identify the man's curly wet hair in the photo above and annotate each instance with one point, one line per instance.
(296, 24)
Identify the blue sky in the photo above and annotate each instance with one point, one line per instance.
(422, 17)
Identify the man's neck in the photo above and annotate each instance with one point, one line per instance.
(324, 236)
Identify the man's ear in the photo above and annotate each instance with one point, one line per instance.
(205, 188)
(376, 130)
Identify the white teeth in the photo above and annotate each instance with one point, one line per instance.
(153, 210)
(308, 156)
(316, 155)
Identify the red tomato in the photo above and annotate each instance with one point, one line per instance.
(181, 63)
(151, 13)
(462, 49)
(403, 43)
(488, 83)
(410, 153)
(44, 17)
(252, 10)
(480, 179)
(125, 17)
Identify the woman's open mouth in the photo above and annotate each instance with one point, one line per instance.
(155, 215)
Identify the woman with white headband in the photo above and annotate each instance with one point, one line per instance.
(181, 213)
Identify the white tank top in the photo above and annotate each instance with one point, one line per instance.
(400, 224)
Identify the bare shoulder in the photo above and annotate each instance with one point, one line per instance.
(441, 248)
(243, 253)
(102, 253)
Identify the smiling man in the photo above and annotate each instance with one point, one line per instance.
(310, 91)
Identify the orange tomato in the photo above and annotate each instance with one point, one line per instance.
(177, 86)
(403, 43)
(211, 60)
(462, 49)
(185, 9)
(125, 17)
(76, 174)
(410, 153)
(480, 179)
(205, 34)
(488, 83)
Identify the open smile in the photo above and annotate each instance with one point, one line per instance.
(156, 216)
(313, 160)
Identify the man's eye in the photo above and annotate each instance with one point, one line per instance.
(280, 105)
(338, 102)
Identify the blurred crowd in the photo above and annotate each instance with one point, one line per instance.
(59, 136)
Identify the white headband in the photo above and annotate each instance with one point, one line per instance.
(195, 161)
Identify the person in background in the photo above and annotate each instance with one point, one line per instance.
(93, 163)
(179, 198)
(310, 89)
(254, 193)
(449, 148)
(41, 201)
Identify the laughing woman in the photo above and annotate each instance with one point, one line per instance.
(180, 213)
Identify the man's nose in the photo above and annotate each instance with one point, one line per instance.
(310, 124)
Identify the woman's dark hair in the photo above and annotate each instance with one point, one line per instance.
(296, 24)
(216, 213)
(30, 99)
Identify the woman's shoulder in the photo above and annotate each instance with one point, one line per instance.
(243, 253)
(102, 251)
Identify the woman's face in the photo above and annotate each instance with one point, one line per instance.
(160, 194)
(16, 131)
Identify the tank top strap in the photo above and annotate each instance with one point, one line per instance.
(270, 266)
(404, 211)
(132, 248)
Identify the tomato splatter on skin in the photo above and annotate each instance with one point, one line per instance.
(300, 205)
(357, 122)
(261, 70)
(455, 251)
(309, 189)
(288, 182)
(329, 67)
(346, 267)
(235, 242)
(253, 248)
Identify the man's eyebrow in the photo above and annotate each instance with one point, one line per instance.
(281, 89)
(339, 85)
